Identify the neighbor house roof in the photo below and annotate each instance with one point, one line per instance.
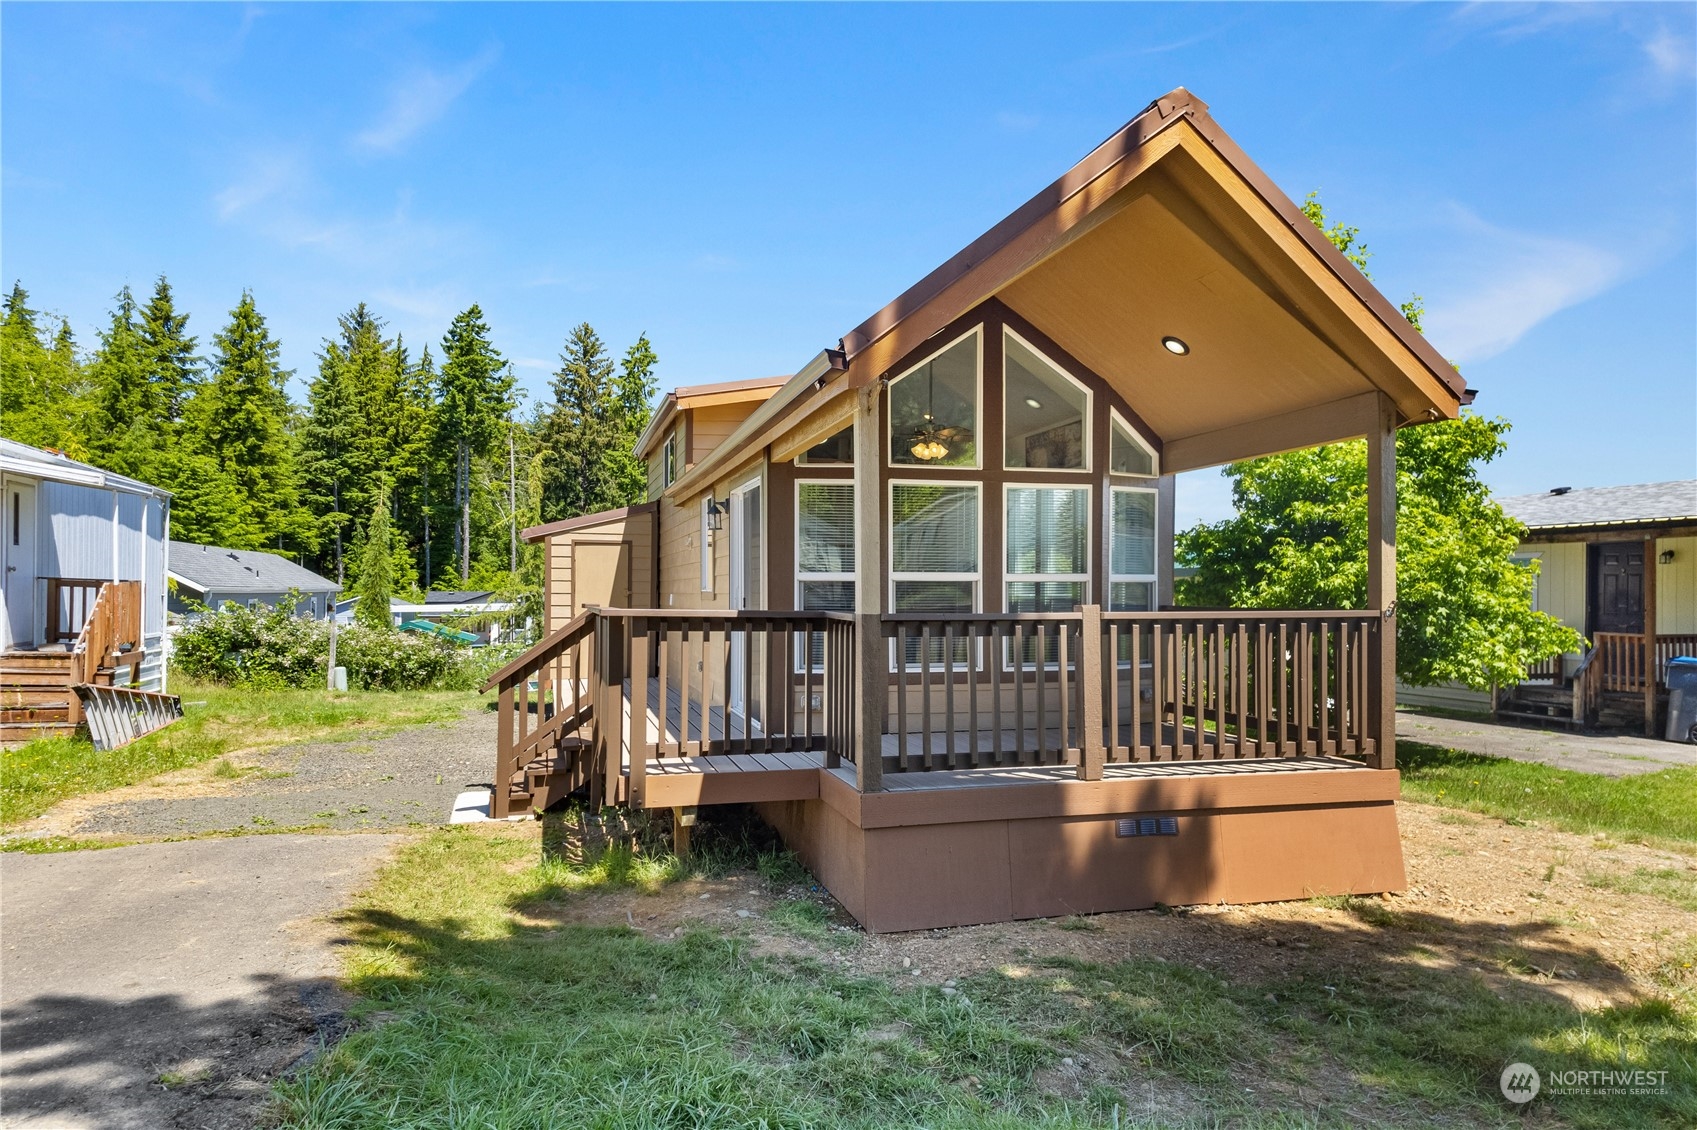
(584, 521)
(684, 397)
(45, 463)
(212, 568)
(1581, 507)
(462, 596)
(1083, 259)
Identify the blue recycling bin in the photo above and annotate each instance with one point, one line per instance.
(1682, 699)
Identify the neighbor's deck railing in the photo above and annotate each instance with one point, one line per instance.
(964, 692)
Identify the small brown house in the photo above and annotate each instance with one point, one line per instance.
(914, 602)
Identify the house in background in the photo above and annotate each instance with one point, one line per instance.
(449, 610)
(913, 606)
(84, 593)
(212, 575)
(1619, 566)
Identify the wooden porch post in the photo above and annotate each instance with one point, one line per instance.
(871, 683)
(1381, 581)
(1650, 637)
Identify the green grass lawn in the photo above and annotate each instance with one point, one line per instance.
(216, 721)
(500, 1010)
(1656, 808)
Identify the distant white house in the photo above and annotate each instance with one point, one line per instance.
(69, 529)
(210, 575)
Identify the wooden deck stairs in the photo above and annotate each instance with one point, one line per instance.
(37, 695)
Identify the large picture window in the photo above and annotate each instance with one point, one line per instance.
(1048, 548)
(1046, 412)
(824, 552)
(934, 409)
(1131, 580)
(934, 564)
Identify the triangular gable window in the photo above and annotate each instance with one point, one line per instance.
(1128, 454)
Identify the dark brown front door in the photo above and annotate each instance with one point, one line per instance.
(1618, 592)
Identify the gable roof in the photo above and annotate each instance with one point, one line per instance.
(56, 466)
(1170, 172)
(212, 568)
(584, 521)
(685, 397)
(1576, 508)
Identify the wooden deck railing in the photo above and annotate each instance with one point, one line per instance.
(110, 637)
(70, 602)
(1084, 688)
(1622, 661)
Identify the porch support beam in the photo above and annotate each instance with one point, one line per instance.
(871, 682)
(1381, 580)
(1291, 431)
(1650, 636)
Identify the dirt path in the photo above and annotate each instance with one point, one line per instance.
(384, 784)
(166, 985)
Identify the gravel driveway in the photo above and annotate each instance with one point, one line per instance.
(374, 785)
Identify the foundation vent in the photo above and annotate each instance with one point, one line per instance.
(1146, 826)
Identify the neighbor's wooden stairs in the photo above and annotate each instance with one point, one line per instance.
(36, 699)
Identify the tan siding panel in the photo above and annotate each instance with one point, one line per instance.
(1676, 587)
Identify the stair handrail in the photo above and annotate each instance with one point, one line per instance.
(549, 647)
(113, 629)
(519, 736)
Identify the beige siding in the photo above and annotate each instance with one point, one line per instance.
(637, 529)
(1561, 580)
(709, 427)
(1676, 587)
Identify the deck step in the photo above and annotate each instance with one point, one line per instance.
(28, 731)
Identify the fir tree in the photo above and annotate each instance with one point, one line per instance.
(475, 397)
(40, 401)
(168, 353)
(123, 428)
(591, 432)
(376, 577)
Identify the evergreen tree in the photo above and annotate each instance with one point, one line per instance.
(592, 430)
(376, 577)
(168, 353)
(123, 428)
(239, 418)
(475, 397)
(40, 379)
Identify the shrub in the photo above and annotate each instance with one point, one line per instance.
(273, 648)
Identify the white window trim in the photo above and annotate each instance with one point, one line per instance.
(1137, 437)
(1089, 407)
(802, 576)
(669, 459)
(1011, 578)
(976, 579)
(977, 411)
(707, 564)
(1133, 578)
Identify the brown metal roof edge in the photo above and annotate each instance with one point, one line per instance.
(583, 521)
(678, 399)
(1120, 144)
(753, 384)
(1157, 116)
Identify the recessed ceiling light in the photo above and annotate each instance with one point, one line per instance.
(1175, 345)
(1033, 402)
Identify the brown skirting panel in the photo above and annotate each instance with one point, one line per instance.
(1036, 857)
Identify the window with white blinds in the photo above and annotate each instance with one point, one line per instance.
(1048, 548)
(1131, 556)
(934, 565)
(824, 553)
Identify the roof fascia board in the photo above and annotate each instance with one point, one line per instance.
(79, 475)
(657, 425)
(778, 406)
(1290, 431)
(585, 521)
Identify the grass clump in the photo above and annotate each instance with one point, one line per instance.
(1678, 887)
(502, 1009)
(216, 720)
(1650, 807)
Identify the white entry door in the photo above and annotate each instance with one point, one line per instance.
(19, 542)
(747, 591)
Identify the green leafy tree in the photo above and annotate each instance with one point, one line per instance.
(475, 396)
(1299, 540)
(376, 568)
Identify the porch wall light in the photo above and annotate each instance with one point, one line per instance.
(716, 513)
(1175, 345)
(1666, 557)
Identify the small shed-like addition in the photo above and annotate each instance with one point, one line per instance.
(605, 559)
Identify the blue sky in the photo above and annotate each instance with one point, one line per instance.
(746, 183)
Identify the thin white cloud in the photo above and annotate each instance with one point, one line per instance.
(419, 99)
(1018, 123)
(267, 177)
(1507, 282)
(1672, 55)
(434, 304)
(532, 363)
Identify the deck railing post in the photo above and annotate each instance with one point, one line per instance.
(1091, 688)
(639, 654)
(872, 677)
(1381, 583)
(1650, 657)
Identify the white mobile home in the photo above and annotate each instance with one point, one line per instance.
(77, 541)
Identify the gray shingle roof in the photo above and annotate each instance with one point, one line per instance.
(212, 568)
(1606, 506)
